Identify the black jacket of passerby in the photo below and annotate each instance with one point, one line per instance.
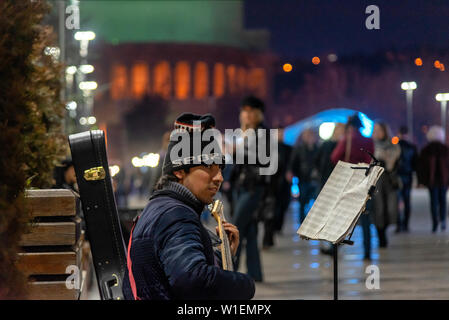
(248, 175)
(323, 160)
(284, 154)
(408, 161)
(302, 161)
(433, 165)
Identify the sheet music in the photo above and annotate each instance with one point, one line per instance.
(340, 203)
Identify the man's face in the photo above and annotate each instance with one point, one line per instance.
(249, 117)
(203, 181)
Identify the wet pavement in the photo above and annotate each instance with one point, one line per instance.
(415, 265)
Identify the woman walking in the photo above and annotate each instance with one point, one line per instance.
(385, 201)
(433, 172)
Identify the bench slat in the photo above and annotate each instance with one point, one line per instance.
(51, 202)
(52, 234)
(46, 262)
(51, 290)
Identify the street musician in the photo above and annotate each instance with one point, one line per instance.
(170, 255)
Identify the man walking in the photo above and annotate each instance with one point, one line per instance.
(250, 188)
(407, 165)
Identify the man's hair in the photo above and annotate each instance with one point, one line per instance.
(354, 121)
(166, 178)
(253, 102)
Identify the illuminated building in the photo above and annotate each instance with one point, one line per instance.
(196, 55)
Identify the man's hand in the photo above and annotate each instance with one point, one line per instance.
(233, 235)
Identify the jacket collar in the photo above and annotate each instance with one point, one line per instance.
(178, 191)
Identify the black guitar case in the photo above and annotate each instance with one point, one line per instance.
(100, 211)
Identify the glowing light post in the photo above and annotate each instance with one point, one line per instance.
(85, 86)
(409, 87)
(443, 98)
(84, 37)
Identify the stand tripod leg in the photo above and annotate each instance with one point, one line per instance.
(335, 254)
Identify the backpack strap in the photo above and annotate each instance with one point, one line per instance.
(132, 282)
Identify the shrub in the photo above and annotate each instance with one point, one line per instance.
(31, 115)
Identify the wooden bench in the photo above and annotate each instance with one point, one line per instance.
(53, 248)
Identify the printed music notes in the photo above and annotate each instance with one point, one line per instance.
(340, 203)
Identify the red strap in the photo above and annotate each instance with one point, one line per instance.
(129, 263)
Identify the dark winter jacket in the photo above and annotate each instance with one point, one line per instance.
(408, 161)
(433, 167)
(303, 162)
(172, 255)
(323, 160)
(356, 155)
(247, 175)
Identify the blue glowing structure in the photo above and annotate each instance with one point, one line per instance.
(295, 187)
(292, 132)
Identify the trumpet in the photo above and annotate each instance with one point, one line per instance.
(217, 212)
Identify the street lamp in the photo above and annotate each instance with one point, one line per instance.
(88, 85)
(84, 37)
(85, 86)
(443, 98)
(86, 68)
(409, 87)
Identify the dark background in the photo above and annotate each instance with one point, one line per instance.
(310, 28)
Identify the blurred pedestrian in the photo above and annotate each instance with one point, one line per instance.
(226, 188)
(407, 165)
(433, 172)
(65, 177)
(249, 187)
(280, 192)
(283, 193)
(119, 188)
(352, 148)
(385, 200)
(323, 161)
(302, 165)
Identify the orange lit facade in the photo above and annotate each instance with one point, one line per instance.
(187, 75)
(196, 78)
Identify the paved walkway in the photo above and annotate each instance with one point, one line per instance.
(414, 266)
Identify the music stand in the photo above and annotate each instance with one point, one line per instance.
(348, 241)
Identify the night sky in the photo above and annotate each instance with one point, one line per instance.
(304, 29)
